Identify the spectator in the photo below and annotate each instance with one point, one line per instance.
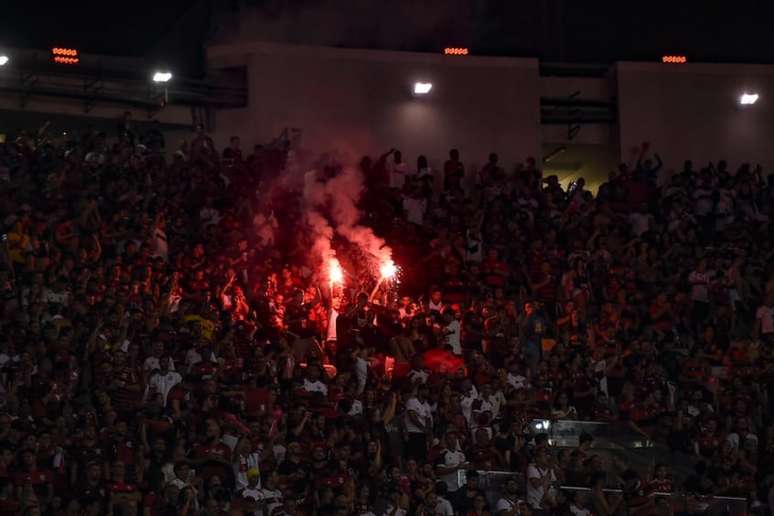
(169, 342)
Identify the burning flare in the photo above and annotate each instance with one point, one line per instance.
(388, 269)
(335, 274)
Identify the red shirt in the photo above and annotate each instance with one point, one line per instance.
(255, 398)
(212, 451)
(495, 272)
(121, 487)
(35, 477)
(124, 451)
(123, 398)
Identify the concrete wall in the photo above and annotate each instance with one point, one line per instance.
(360, 101)
(691, 111)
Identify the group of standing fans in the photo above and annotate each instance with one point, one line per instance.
(169, 345)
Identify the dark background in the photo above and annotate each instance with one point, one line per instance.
(553, 30)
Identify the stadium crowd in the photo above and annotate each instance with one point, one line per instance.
(168, 345)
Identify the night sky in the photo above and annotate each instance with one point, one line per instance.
(554, 30)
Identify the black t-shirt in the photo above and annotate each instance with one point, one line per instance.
(288, 467)
(297, 318)
(89, 494)
(462, 500)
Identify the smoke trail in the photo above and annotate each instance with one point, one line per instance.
(341, 193)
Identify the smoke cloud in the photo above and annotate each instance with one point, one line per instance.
(340, 194)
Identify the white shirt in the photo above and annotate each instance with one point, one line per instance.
(703, 199)
(192, 357)
(486, 406)
(504, 504)
(160, 246)
(422, 410)
(316, 386)
(209, 216)
(765, 315)
(517, 381)
(242, 465)
(579, 511)
(356, 409)
(418, 376)
(415, 210)
(332, 324)
(699, 282)
(52, 296)
(453, 337)
(535, 495)
(451, 459)
(640, 223)
(390, 508)
(361, 373)
(438, 307)
(397, 174)
(270, 494)
(152, 363)
(443, 507)
(496, 401)
(163, 383)
(466, 402)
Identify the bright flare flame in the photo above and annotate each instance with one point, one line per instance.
(388, 269)
(335, 274)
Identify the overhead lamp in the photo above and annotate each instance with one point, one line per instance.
(162, 76)
(748, 99)
(422, 88)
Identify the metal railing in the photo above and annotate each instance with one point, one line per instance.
(686, 502)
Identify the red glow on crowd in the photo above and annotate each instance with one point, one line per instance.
(444, 362)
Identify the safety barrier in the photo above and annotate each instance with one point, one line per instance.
(688, 503)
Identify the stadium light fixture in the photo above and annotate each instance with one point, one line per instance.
(422, 88)
(748, 99)
(4, 59)
(162, 76)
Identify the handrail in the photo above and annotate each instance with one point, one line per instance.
(657, 493)
(713, 504)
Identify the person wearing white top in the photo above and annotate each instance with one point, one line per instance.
(510, 504)
(315, 386)
(415, 208)
(541, 494)
(152, 362)
(450, 461)
(453, 333)
(441, 506)
(361, 370)
(334, 316)
(469, 396)
(699, 280)
(396, 168)
(270, 495)
(418, 376)
(163, 380)
(419, 423)
(312, 382)
(764, 318)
